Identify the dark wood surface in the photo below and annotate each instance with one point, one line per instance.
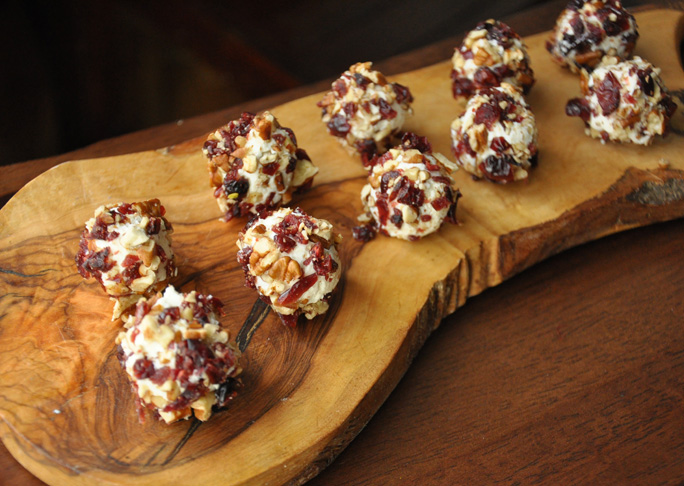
(570, 373)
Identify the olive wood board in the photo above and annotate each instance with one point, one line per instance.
(68, 414)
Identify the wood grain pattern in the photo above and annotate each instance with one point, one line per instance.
(307, 392)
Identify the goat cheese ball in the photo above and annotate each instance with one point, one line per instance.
(364, 111)
(291, 259)
(588, 30)
(127, 248)
(623, 101)
(490, 54)
(496, 136)
(255, 165)
(177, 355)
(409, 194)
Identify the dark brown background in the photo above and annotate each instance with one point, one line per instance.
(78, 71)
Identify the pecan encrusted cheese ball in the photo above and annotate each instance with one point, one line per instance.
(496, 137)
(127, 248)
(490, 54)
(364, 111)
(177, 355)
(409, 194)
(624, 102)
(255, 165)
(291, 259)
(586, 31)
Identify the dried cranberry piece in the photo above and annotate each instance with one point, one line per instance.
(131, 272)
(386, 111)
(153, 226)
(461, 86)
(498, 169)
(291, 295)
(383, 209)
(485, 77)
(669, 106)
(499, 144)
(338, 126)
(339, 87)
(402, 93)
(367, 149)
(409, 194)
(578, 107)
(98, 262)
(363, 233)
(412, 141)
(211, 148)
(487, 113)
(279, 138)
(425, 218)
(125, 208)
(350, 109)
(284, 243)
(239, 187)
(577, 25)
(441, 203)
(608, 93)
(270, 169)
(99, 230)
(143, 368)
(361, 80)
(323, 263)
(290, 134)
(386, 178)
(172, 312)
(646, 81)
(397, 218)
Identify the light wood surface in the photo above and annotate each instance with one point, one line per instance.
(309, 391)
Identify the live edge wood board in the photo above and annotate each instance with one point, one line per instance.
(67, 411)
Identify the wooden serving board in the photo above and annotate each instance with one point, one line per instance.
(67, 411)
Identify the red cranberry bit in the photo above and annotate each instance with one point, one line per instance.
(291, 295)
(99, 230)
(239, 187)
(608, 94)
(339, 87)
(131, 273)
(125, 208)
(498, 169)
(383, 209)
(350, 109)
(442, 180)
(212, 149)
(153, 226)
(172, 312)
(363, 233)
(290, 134)
(578, 107)
(412, 141)
(441, 203)
(270, 169)
(487, 113)
(425, 218)
(284, 243)
(279, 138)
(143, 369)
(402, 93)
(646, 81)
(409, 194)
(499, 144)
(386, 178)
(464, 146)
(338, 126)
(386, 111)
(461, 86)
(397, 218)
(367, 149)
(98, 262)
(485, 78)
(361, 80)
(323, 263)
